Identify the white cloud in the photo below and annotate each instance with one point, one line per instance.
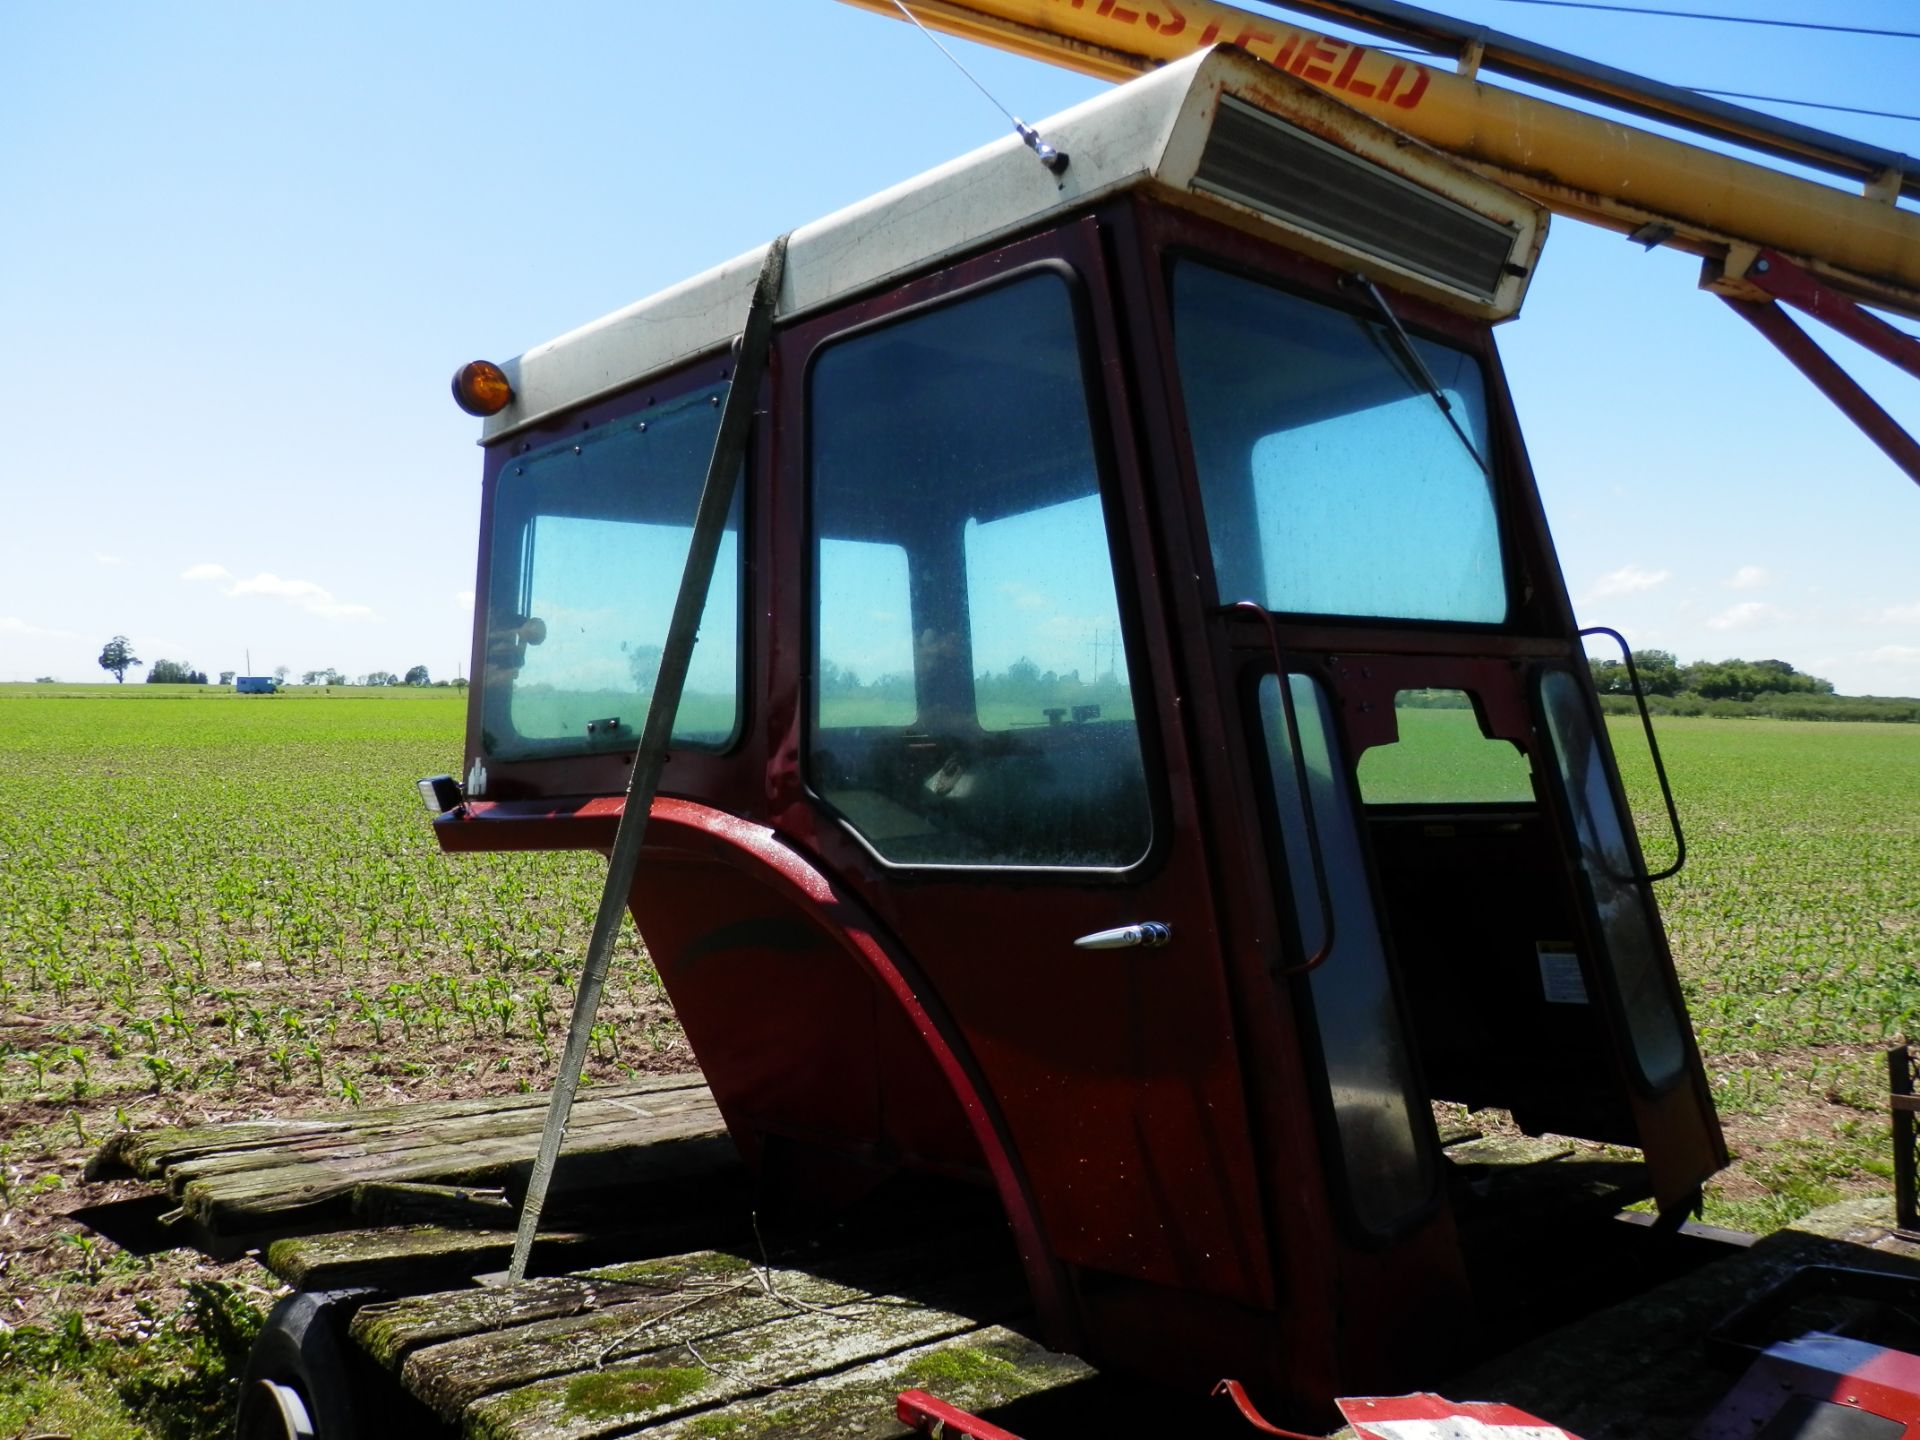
(1746, 615)
(1748, 577)
(1901, 614)
(1900, 657)
(100, 557)
(313, 598)
(1628, 580)
(266, 583)
(14, 625)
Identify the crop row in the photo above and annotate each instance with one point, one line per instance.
(246, 897)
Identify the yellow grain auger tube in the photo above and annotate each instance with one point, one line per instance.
(1764, 236)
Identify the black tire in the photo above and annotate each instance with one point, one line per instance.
(272, 1411)
(303, 1367)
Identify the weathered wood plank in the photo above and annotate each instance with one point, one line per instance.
(395, 1202)
(699, 1307)
(1509, 1150)
(980, 1372)
(425, 1255)
(452, 1351)
(268, 1177)
(393, 1138)
(419, 1258)
(144, 1154)
(695, 1372)
(254, 1198)
(393, 1329)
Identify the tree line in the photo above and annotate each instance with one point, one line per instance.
(1661, 674)
(117, 657)
(1770, 689)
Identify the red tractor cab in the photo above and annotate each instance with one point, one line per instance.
(1139, 753)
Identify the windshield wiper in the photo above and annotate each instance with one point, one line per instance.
(1411, 355)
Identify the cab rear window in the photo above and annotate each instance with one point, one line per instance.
(590, 535)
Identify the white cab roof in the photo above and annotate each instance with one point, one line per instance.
(1150, 132)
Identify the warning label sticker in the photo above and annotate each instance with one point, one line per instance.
(1560, 979)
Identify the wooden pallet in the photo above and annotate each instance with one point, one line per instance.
(678, 1339)
(716, 1344)
(450, 1173)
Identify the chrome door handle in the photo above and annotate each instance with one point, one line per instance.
(1148, 934)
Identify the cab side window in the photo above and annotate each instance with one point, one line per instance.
(973, 702)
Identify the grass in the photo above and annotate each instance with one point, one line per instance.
(211, 890)
(1796, 926)
(216, 905)
(179, 1378)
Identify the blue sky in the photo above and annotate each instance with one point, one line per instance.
(244, 246)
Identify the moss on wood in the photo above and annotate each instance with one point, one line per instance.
(630, 1390)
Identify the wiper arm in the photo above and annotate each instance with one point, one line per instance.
(1410, 353)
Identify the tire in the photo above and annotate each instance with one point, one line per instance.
(304, 1379)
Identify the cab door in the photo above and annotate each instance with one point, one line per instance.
(986, 748)
(1359, 484)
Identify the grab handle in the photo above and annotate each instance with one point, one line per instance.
(1653, 747)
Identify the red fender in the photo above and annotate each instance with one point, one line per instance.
(697, 831)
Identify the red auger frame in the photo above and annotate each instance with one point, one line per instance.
(1771, 281)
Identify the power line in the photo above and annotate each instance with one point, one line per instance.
(1418, 53)
(1722, 19)
(1809, 104)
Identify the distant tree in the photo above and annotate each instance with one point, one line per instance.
(226, 677)
(117, 655)
(417, 676)
(333, 677)
(280, 673)
(1745, 679)
(1659, 674)
(379, 677)
(174, 672)
(838, 680)
(43, 680)
(1659, 671)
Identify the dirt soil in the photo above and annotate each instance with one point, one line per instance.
(52, 1266)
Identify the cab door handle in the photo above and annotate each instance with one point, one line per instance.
(1148, 934)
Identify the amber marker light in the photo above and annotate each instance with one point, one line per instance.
(480, 387)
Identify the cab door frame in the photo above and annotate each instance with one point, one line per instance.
(1540, 630)
(1121, 1073)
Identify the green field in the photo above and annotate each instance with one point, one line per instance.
(217, 905)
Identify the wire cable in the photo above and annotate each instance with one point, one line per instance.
(1054, 160)
(1809, 104)
(1427, 53)
(1723, 19)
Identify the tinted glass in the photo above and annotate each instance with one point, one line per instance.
(1376, 1112)
(973, 704)
(865, 668)
(1635, 956)
(1334, 483)
(590, 536)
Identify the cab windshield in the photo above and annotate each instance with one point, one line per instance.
(1334, 481)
